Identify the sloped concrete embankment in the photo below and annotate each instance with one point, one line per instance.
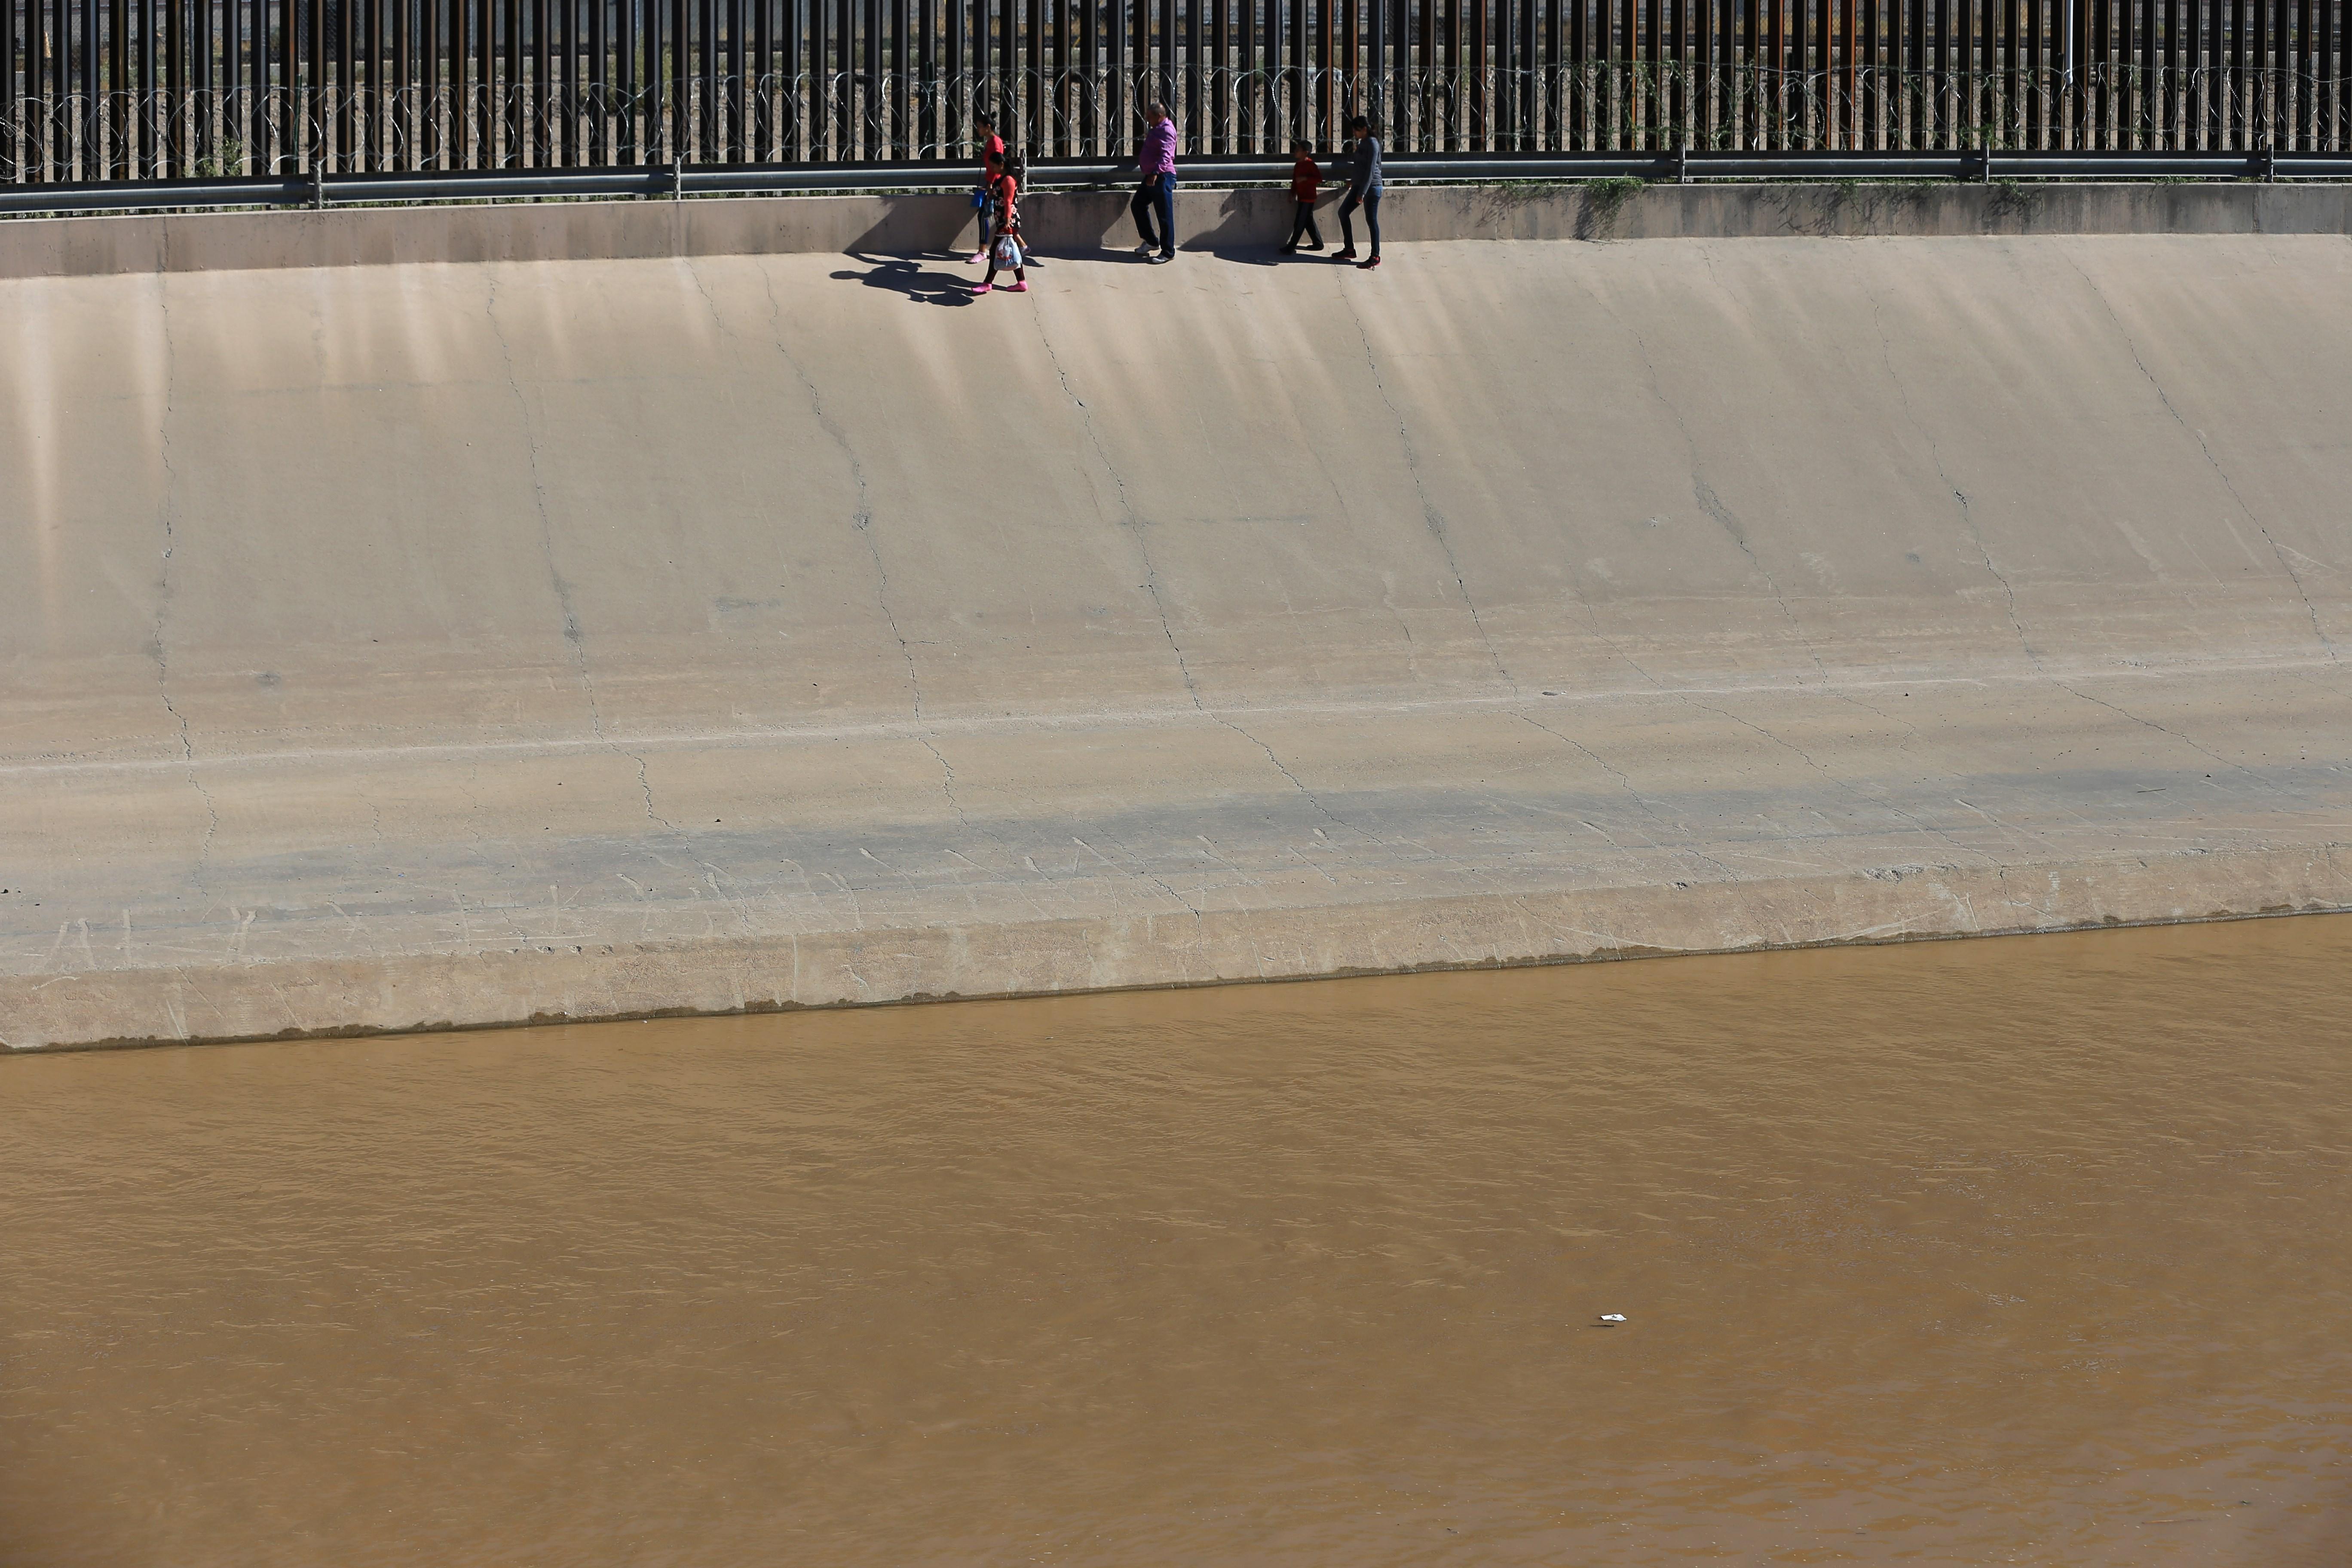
(404, 646)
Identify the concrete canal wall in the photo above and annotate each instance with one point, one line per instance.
(469, 641)
(1212, 220)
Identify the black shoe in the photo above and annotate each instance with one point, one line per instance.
(1347, 255)
(1163, 255)
(1368, 266)
(1315, 245)
(1290, 250)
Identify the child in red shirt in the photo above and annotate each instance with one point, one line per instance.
(1007, 249)
(1306, 184)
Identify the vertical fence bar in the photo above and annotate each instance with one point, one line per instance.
(2198, 50)
(2263, 47)
(363, 83)
(148, 85)
(1293, 79)
(2165, 25)
(115, 154)
(1619, 64)
(1975, 17)
(704, 109)
(407, 129)
(2278, 22)
(1820, 83)
(1750, 79)
(736, 102)
(2014, 78)
(1526, 104)
(1323, 105)
(2308, 71)
(1118, 101)
(2233, 18)
(844, 86)
(1730, 102)
(2095, 80)
(392, 65)
(2336, 48)
(586, 38)
(2186, 49)
(1549, 83)
(2331, 81)
(211, 70)
(927, 77)
(1218, 89)
(310, 104)
(2215, 109)
(1194, 104)
(470, 71)
(14, 120)
(38, 106)
(1570, 82)
(537, 105)
(508, 92)
(1479, 108)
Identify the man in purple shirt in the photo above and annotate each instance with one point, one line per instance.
(1157, 159)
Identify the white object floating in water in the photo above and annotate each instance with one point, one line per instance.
(1613, 1317)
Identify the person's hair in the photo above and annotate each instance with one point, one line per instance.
(1156, 107)
(983, 120)
(1359, 122)
(1016, 165)
(1302, 145)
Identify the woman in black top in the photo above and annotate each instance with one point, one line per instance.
(1364, 191)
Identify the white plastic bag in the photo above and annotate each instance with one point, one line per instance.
(1008, 252)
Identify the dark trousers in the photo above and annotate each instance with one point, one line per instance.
(1370, 202)
(1305, 224)
(1159, 196)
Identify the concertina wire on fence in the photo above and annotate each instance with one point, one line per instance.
(144, 89)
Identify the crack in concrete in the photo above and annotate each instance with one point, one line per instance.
(1282, 768)
(955, 803)
(1704, 493)
(2204, 447)
(574, 635)
(1431, 517)
(164, 588)
(1126, 511)
(2201, 750)
(1936, 455)
(862, 520)
(1842, 785)
(1145, 871)
(1625, 783)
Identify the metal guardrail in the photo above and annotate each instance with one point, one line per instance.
(687, 180)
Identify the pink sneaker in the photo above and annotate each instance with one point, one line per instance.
(978, 257)
(1016, 288)
(981, 288)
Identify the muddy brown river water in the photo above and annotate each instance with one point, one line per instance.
(2029, 1250)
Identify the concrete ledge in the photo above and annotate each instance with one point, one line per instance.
(556, 984)
(1209, 220)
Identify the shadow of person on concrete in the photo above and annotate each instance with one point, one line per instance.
(1248, 231)
(913, 276)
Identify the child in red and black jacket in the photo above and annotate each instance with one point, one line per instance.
(1306, 184)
